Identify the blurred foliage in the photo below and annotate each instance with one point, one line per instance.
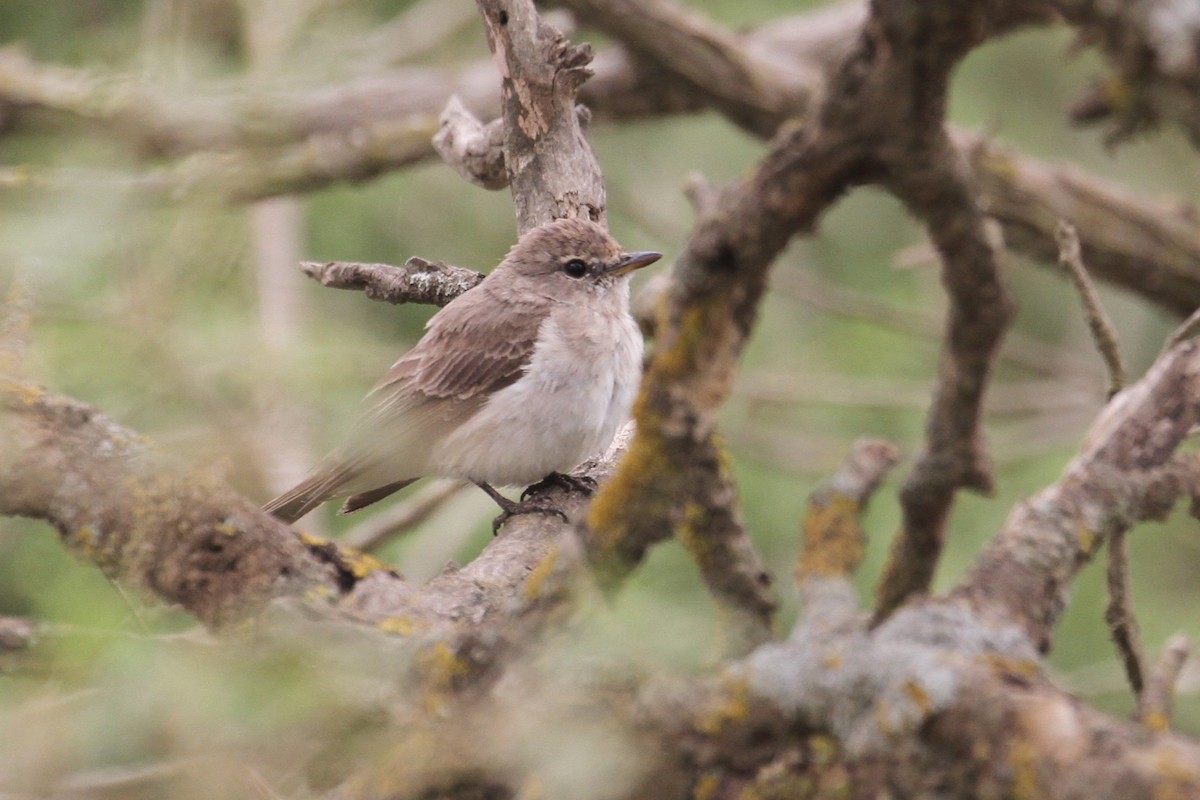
(152, 313)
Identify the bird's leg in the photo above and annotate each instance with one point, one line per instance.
(570, 483)
(511, 509)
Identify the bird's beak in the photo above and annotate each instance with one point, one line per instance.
(631, 261)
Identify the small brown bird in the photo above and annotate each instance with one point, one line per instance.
(520, 378)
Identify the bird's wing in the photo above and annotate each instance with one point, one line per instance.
(474, 347)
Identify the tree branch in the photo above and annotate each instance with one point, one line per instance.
(1124, 473)
(418, 281)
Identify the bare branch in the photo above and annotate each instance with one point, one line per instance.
(1186, 330)
(714, 533)
(1157, 700)
(1124, 473)
(1103, 332)
(475, 150)
(418, 281)
(552, 170)
(834, 541)
(1122, 624)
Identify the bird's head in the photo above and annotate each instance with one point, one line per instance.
(573, 254)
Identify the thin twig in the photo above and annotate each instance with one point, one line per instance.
(1122, 624)
(1189, 328)
(15, 316)
(1103, 333)
(1156, 704)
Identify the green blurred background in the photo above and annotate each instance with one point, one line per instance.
(154, 313)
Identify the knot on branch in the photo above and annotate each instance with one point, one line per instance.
(571, 66)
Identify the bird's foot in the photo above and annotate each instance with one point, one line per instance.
(537, 505)
(571, 483)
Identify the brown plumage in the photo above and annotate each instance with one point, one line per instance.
(489, 392)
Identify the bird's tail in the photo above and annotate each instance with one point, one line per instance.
(310, 493)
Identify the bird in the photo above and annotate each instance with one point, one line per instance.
(514, 381)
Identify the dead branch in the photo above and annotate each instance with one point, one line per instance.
(1122, 624)
(418, 281)
(936, 187)
(551, 169)
(475, 150)
(1103, 332)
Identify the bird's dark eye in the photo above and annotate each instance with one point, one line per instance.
(575, 268)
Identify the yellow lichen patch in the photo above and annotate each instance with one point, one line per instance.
(1118, 92)
(695, 518)
(225, 529)
(823, 750)
(1023, 760)
(1022, 668)
(24, 393)
(313, 541)
(440, 667)
(707, 786)
(998, 163)
(680, 357)
(318, 594)
(731, 705)
(361, 564)
(1175, 773)
(401, 625)
(833, 539)
(1087, 539)
(644, 464)
(919, 696)
(83, 541)
(532, 588)
(1156, 721)
(832, 662)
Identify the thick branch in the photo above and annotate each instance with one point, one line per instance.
(551, 168)
(181, 536)
(937, 188)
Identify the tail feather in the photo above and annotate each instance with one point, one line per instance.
(310, 493)
(363, 499)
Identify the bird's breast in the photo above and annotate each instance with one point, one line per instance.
(575, 392)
